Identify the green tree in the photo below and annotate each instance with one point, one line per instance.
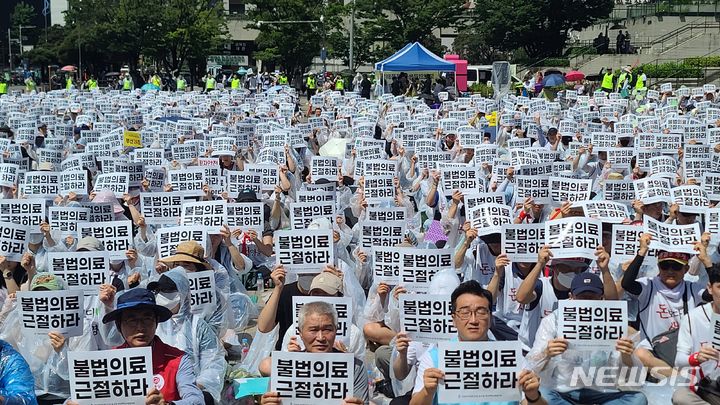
(539, 27)
(294, 45)
(394, 23)
(22, 15)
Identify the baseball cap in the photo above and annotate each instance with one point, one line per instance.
(327, 282)
(678, 257)
(586, 282)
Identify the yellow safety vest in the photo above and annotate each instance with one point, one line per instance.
(621, 80)
(127, 84)
(156, 81)
(282, 80)
(92, 84)
(68, 84)
(181, 84)
(210, 83)
(235, 84)
(30, 85)
(340, 84)
(607, 82)
(3, 88)
(639, 83)
(311, 83)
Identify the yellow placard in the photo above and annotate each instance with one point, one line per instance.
(132, 139)
(492, 119)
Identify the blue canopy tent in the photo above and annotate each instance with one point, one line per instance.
(414, 58)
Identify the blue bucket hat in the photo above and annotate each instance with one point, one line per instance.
(138, 298)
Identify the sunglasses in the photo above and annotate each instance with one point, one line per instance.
(671, 265)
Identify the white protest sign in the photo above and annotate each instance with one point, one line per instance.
(671, 237)
(8, 174)
(712, 223)
(427, 318)
(66, 219)
(189, 181)
(203, 299)
(28, 212)
(84, 271)
(522, 242)
(376, 233)
(479, 372)
(210, 214)
(135, 171)
(653, 190)
(715, 330)
(74, 182)
(161, 208)
(322, 167)
(118, 376)
(618, 190)
(606, 211)
(419, 266)
(343, 308)
(535, 187)
(116, 236)
(386, 265)
(691, 199)
(99, 212)
(246, 216)
(168, 238)
(184, 153)
(13, 240)
(312, 378)
(118, 183)
(270, 174)
(306, 251)
(573, 237)
(489, 218)
(625, 242)
(150, 157)
(592, 324)
(386, 213)
(51, 311)
(572, 190)
(465, 179)
(239, 181)
(302, 214)
(41, 184)
(379, 188)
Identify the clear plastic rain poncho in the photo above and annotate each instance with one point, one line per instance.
(195, 337)
(15, 377)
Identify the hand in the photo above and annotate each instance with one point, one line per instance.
(638, 207)
(362, 256)
(470, 236)
(707, 353)
(133, 279)
(397, 291)
(278, 276)
(45, 228)
(701, 247)
(352, 401)
(383, 290)
(154, 397)
(28, 262)
(556, 347)
(529, 383)
(168, 188)
(107, 295)
(270, 398)
(625, 346)
(544, 255)
(294, 346)
(645, 239)
(501, 262)
(340, 346)
(336, 236)
(603, 258)
(226, 236)
(431, 379)
(402, 343)
(141, 222)
(674, 210)
(161, 267)
(510, 173)
(332, 269)
(457, 197)
(565, 209)
(57, 341)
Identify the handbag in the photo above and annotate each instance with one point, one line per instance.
(709, 390)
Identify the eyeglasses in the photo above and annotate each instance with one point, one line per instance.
(465, 313)
(670, 265)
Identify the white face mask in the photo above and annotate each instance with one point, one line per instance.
(168, 300)
(565, 279)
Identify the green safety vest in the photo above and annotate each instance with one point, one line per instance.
(621, 80)
(340, 84)
(92, 84)
(68, 84)
(156, 81)
(30, 86)
(639, 83)
(235, 84)
(3, 88)
(607, 82)
(282, 80)
(181, 84)
(210, 83)
(127, 84)
(311, 83)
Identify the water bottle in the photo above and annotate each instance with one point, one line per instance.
(244, 349)
(260, 283)
(371, 384)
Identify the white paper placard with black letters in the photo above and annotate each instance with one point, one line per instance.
(13, 240)
(343, 308)
(246, 216)
(84, 271)
(592, 324)
(672, 237)
(210, 214)
(203, 299)
(304, 378)
(306, 251)
(115, 236)
(162, 208)
(51, 311)
(573, 237)
(168, 238)
(522, 242)
(427, 318)
(66, 219)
